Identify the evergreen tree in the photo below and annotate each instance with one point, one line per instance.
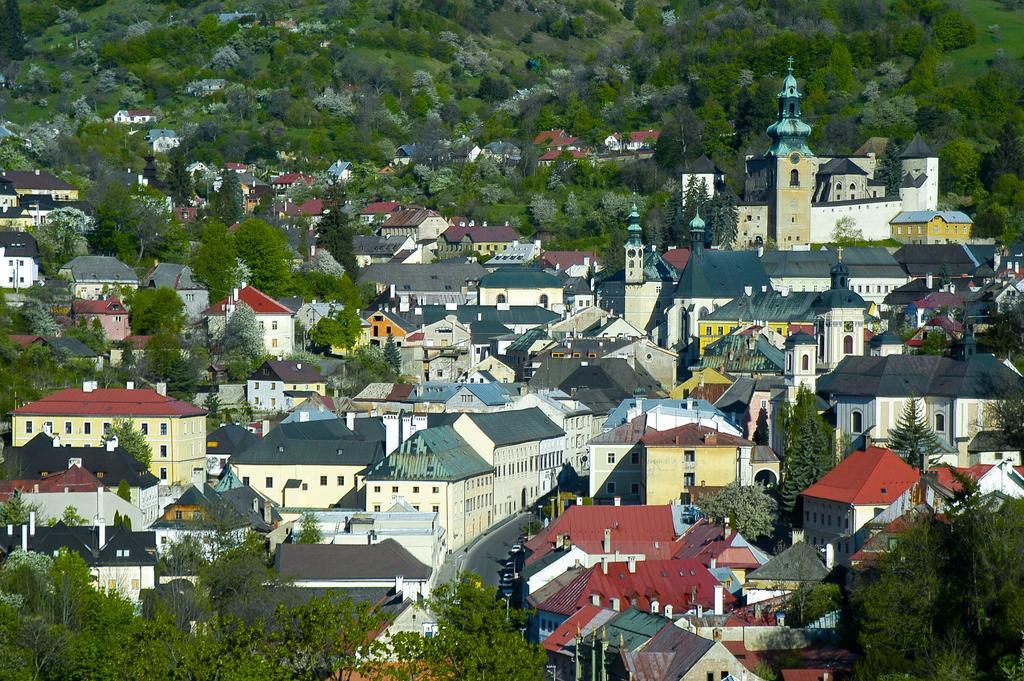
(695, 197)
(614, 255)
(722, 219)
(806, 446)
(179, 182)
(335, 231)
(215, 262)
(1007, 157)
(124, 490)
(761, 430)
(226, 202)
(890, 169)
(392, 354)
(911, 438)
(12, 37)
(130, 439)
(676, 228)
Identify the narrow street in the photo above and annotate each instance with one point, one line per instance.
(486, 554)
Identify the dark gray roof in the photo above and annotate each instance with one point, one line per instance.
(229, 438)
(841, 166)
(374, 245)
(863, 262)
(84, 540)
(288, 371)
(171, 275)
(328, 442)
(38, 456)
(18, 244)
(921, 259)
(990, 441)
(470, 314)
(357, 562)
(918, 149)
(601, 384)
(704, 166)
(514, 427)
(100, 268)
(436, 453)
(721, 274)
(72, 347)
(909, 181)
(434, 277)
(801, 562)
(980, 376)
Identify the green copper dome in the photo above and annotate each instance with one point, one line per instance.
(789, 133)
(634, 228)
(696, 223)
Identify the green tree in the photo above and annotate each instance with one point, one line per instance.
(130, 439)
(70, 516)
(264, 250)
(12, 44)
(806, 446)
(953, 30)
(890, 169)
(309, 530)
(761, 429)
(156, 310)
(723, 219)
(242, 335)
(165, 362)
(15, 511)
(336, 231)
(178, 180)
(961, 164)
(215, 262)
(392, 354)
(911, 437)
(341, 329)
(749, 509)
(124, 490)
(839, 72)
(811, 602)
(226, 202)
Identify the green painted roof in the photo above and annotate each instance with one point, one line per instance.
(736, 354)
(514, 427)
(437, 453)
(519, 277)
(634, 628)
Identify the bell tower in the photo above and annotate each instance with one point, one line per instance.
(792, 168)
(634, 250)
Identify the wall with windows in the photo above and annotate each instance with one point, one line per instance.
(318, 487)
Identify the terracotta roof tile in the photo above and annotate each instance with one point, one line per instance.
(259, 301)
(109, 402)
(874, 476)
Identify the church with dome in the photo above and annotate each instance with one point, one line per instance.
(795, 197)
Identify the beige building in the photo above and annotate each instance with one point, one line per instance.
(682, 464)
(93, 276)
(578, 421)
(81, 417)
(276, 320)
(312, 464)
(437, 470)
(515, 286)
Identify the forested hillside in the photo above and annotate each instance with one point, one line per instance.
(308, 83)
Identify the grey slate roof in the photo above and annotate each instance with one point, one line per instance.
(721, 274)
(921, 259)
(437, 453)
(841, 166)
(171, 275)
(980, 376)
(801, 562)
(796, 306)
(918, 149)
(735, 354)
(326, 443)
(99, 268)
(468, 314)
(601, 384)
(863, 262)
(434, 277)
(514, 427)
(38, 455)
(18, 244)
(357, 562)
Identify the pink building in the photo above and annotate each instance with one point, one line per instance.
(110, 311)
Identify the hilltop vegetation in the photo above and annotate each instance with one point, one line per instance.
(311, 82)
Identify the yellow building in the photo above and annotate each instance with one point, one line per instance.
(437, 470)
(175, 430)
(931, 227)
(681, 464)
(708, 384)
(521, 286)
(501, 372)
(463, 239)
(784, 312)
(39, 182)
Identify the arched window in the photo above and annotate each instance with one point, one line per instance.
(821, 346)
(856, 421)
(848, 345)
(839, 186)
(805, 362)
(852, 186)
(502, 298)
(544, 301)
(794, 178)
(789, 362)
(792, 109)
(940, 423)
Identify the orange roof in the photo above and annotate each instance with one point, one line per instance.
(874, 476)
(634, 529)
(108, 402)
(548, 135)
(259, 301)
(944, 474)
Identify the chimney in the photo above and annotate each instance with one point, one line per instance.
(268, 513)
(796, 535)
(298, 366)
(112, 443)
(607, 540)
(604, 564)
(234, 295)
(32, 522)
(130, 385)
(24, 538)
(161, 389)
(618, 501)
(748, 291)
(350, 420)
(56, 441)
(87, 387)
(719, 599)
(830, 556)
(631, 564)
(714, 563)
(928, 281)
(725, 521)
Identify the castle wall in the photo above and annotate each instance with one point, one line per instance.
(872, 218)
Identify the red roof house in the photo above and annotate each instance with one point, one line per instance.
(549, 136)
(111, 313)
(565, 260)
(72, 479)
(114, 402)
(876, 477)
(259, 301)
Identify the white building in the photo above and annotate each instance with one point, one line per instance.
(276, 320)
(19, 260)
(134, 116)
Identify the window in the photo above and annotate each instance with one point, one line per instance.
(376, 488)
(857, 421)
(544, 301)
(268, 483)
(634, 488)
(634, 458)
(805, 362)
(245, 480)
(376, 508)
(67, 427)
(28, 427)
(690, 456)
(163, 473)
(341, 480)
(689, 480)
(794, 176)
(163, 429)
(435, 490)
(848, 345)
(144, 427)
(273, 326)
(415, 490)
(394, 489)
(106, 428)
(611, 456)
(163, 451)
(940, 423)
(323, 481)
(501, 299)
(178, 515)
(610, 488)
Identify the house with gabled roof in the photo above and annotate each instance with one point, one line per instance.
(385, 565)
(280, 385)
(205, 512)
(134, 116)
(110, 312)
(179, 277)
(94, 275)
(276, 320)
(422, 224)
(40, 182)
(19, 260)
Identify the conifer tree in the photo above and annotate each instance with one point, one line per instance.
(179, 182)
(806, 446)
(393, 355)
(890, 170)
(911, 438)
(761, 430)
(12, 37)
(226, 202)
(335, 231)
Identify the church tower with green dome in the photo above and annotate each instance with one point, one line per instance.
(792, 168)
(634, 250)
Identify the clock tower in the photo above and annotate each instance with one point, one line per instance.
(792, 169)
(634, 250)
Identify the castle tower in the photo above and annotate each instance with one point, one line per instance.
(801, 364)
(840, 323)
(792, 168)
(634, 250)
(919, 186)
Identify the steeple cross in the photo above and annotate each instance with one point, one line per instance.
(840, 251)
(789, 61)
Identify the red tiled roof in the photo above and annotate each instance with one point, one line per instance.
(288, 179)
(23, 340)
(380, 207)
(400, 392)
(693, 435)
(310, 207)
(680, 583)
(111, 305)
(259, 301)
(555, 153)
(501, 233)
(874, 476)
(410, 217)
(108, 402)
(677, 257)
(139, 112)
(944, 474)
(548, 135)
(939, 299)
(566, 631)
(562, 260)
(634, 529)
(705, 540)
(564, 141)
(642, 135)
(231, 165)
(73, 479)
